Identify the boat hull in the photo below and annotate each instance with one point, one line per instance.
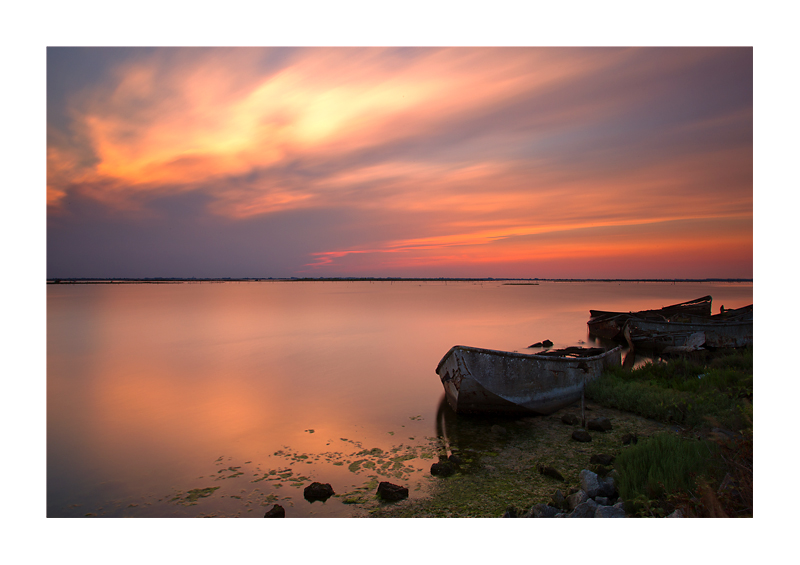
(648, 334)
(609, 325)
(485, 381)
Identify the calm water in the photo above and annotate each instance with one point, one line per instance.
(158, 392)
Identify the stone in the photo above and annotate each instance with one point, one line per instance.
(318, 491)
(600, 470)
(608, 487)
(542, 511)
(599, 424)
(628, 439)
(443, 469)
(548, 471)
(511, 512)
(570, 419)
(455, 459)
(602, 459)
(277, 511)
(581, 435)
(559, 500)
(584, 510)
(590, 483)
(497, 429)
(609, 512)
(677, 514)
(601, 500)
(575, 500)
(392, 492)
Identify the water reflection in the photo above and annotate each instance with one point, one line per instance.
(148, 386)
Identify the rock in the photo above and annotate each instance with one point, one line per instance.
(609, 512)
(455, 459)
(570, 419)
(581, 435)
(497, 429)
(542, 511)
(511, 512)
(547, 343)
(608, 487)
(600, 470)
(392, 492)
(599, 424)
(576, 499)
(277, 511)
(590, 483)
(559, 500)
(548, 471)
(318, 491)
(443, 469)
(601, 500)
(584, 510)
(628, 439)
(677, 514)
(602, 459)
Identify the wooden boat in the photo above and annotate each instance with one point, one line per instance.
(487, 381)
(730, 328)
(609, 325)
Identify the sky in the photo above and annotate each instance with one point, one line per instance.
(508, 162)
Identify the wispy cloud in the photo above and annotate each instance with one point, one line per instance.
(445, 155)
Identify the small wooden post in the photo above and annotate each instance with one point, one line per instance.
(583, 407)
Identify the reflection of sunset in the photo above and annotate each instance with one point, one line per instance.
(369, 153)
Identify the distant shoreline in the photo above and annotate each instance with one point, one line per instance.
(176, 280)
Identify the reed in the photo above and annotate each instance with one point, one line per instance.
(662, 464)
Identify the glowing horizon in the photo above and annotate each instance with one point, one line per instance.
(409, 162)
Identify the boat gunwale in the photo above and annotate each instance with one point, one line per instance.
(539, 356)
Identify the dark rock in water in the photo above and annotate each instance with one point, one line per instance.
(392, 492)
(599, 424)
(455, 459)
(602, 459)
(547, 343)
(581, 435)
(443, 469)
(548, 471)
(627, 439)
(570, 419)
(318, 491)
(276, 511)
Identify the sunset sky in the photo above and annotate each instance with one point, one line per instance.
(410, 162)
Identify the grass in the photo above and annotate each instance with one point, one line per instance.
(664, 463)
(707, 469)
(690, 393)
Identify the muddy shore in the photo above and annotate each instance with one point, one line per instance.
(500, 461)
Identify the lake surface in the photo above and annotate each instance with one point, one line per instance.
(222, 399)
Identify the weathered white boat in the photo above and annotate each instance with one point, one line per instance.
(487, 381)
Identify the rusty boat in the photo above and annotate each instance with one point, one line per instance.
(729, 328)
(609, 325)
(486, 381)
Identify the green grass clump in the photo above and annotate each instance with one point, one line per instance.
(687, 392)
(663, 463)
